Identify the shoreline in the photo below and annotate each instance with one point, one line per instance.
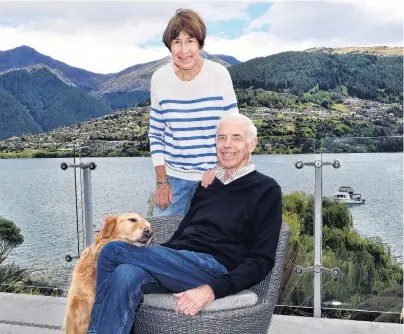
(53, 155)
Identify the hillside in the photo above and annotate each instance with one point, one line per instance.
(280, 129)
(17, 122)
(37, 98)
(366, 50)
(364, 76)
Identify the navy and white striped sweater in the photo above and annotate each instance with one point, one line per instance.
(184, 117)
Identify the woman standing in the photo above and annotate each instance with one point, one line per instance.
(188, 98)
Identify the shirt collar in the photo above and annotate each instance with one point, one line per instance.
(220, 172)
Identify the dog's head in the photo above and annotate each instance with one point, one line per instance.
(129, 227)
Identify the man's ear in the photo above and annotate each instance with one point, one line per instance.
(253, 144)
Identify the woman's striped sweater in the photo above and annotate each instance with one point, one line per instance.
(184, 116)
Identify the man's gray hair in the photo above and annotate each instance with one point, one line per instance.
(248, 123)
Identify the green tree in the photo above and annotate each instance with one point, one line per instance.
(10, 237)
(368, 270)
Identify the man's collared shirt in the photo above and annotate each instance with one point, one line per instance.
(220, 172)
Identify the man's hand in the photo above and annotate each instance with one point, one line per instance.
(163, 196)
(208, 177)
(192, 301)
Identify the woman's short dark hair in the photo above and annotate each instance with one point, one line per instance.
(187, 21)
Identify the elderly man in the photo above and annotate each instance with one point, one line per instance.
(225, 243)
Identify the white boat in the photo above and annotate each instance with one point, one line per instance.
(347, 195)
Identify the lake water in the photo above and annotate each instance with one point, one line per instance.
(39, 197)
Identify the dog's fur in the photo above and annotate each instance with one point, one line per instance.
(128, 227)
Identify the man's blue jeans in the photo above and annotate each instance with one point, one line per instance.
(125, 272)
(183, 190)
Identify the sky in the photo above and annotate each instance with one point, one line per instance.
(107, 37)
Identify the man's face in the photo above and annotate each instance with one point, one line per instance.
(185, 51)
(233, 146)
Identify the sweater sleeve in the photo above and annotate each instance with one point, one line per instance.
(261, 258)
(156, 128)
(229, 96)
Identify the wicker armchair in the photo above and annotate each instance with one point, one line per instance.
(247, 320)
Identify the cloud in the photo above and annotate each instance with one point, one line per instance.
(300, 25)
(107, 37)
(74, 16)
(101, 53)
(254, 44)
(101, 37)
(344, 23)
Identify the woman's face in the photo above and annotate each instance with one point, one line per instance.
(185, 51)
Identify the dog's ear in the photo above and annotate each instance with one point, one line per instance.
(107, 229)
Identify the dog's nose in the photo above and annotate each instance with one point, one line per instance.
(147, 232)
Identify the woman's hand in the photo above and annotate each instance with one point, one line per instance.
(163, 196)
(208, 177)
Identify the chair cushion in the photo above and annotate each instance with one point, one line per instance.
(167, 301)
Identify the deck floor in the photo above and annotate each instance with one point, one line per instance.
(31, 314)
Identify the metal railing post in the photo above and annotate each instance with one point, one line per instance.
(318, 229)
(318, 232)
(88, 207)
(87, 202)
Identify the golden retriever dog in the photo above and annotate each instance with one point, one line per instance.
(128, 227)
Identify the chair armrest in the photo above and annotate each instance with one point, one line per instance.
(268, 289)
(163, 227)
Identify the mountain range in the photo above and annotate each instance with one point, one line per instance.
(39, 93)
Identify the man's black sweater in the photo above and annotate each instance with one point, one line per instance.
(237, 223)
